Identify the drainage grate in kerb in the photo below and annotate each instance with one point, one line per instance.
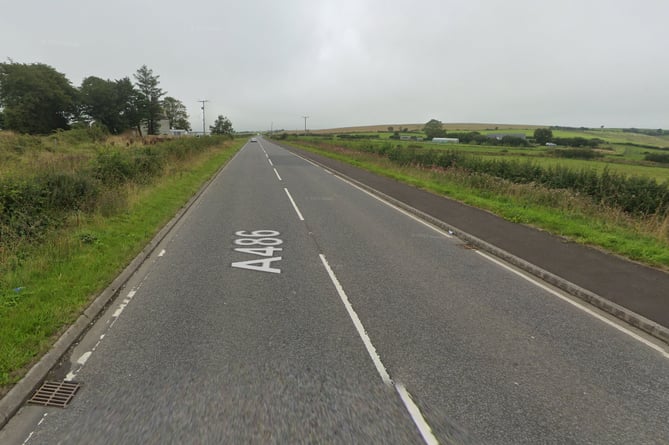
(55, 394)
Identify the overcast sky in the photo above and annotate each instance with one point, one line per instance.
(359, 62)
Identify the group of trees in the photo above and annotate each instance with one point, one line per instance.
(37, 99)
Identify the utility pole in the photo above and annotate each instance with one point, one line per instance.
(204, 131)
(305, 123)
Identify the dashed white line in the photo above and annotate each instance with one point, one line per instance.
(270, 162)
(299, 214)
(412, 408)
(578, 305)
(28, 438)
(84, 357)
(277, 175)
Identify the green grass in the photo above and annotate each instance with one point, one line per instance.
(57, 279)
(557, 211)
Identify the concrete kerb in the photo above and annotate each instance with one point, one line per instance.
(20, 392)
(648, 326)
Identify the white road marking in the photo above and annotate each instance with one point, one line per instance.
(28, 438)
(84, 357)
(619, 327)
(378, 198)
(371, 350)
(299, 214)
(33, 432)
(579, 305)
(277, 175)
(412, 408)
(416, 415)
(401, 210)
(162, 252)
(270, 162)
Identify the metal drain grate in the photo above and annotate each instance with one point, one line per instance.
(55, 394)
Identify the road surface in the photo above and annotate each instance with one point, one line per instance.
(289, 306)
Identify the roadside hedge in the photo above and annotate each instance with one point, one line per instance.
(633, 194)
(30, 207)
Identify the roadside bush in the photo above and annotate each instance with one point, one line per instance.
(69, 192)
(113, 167)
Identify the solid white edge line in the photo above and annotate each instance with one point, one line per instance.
(378, 198)
(531, 280)
(393, 206)
(277, 175)
(578, 305)
(299, 214)
(416, 415)
(371, 350)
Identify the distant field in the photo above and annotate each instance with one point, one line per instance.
(419, 127)
(610, 135)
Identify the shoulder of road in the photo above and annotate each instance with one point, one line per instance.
(635, 293)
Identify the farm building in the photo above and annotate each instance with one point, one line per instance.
(446, 140)
(499, 136)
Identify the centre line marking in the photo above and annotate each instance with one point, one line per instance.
(299, 214)
(409, 404)
(270, 162)
(371, 350)
(277, 175)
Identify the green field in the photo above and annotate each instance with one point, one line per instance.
(618, 155)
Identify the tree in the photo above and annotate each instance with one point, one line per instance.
(175, 112)
(36, 98)
(543, 135)
(149, 103)
(222, 125)
(112, 103)
(434, 129)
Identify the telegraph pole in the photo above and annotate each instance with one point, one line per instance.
(305, 123)
(204, 131)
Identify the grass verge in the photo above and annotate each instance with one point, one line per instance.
(61, 276)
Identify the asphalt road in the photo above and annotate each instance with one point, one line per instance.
(368, 326)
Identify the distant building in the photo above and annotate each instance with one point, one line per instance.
(499, 136)
(163, 127)
(551, 144)
(446, 140)
(411, 138)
